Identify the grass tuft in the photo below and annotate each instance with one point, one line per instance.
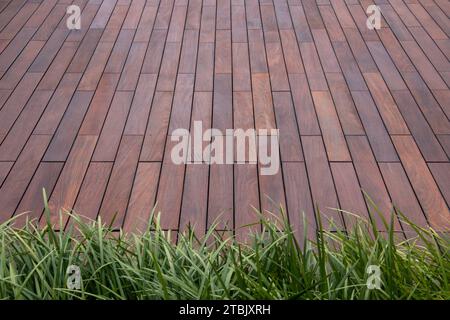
(272, 265)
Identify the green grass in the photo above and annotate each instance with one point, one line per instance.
(33, 264)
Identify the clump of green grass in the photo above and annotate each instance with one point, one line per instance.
(34, 262)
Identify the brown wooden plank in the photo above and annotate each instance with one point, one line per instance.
(290, 146)
(119, 187)
(220, 200)
(67, 130)
(20, 175)
(155, 135)
(304, 106)
(91, 193)
(421, 131)
(347, 113)
(33, 201)
(12, 77)
(4, 170)
(56, 70)
(223, 102)
(182, 103)
(241, 67)
(349, 193)
(195, 199)
(262, 102)
(294, 63)
(223, 52)
(402, 194)
(321, 182)
(298, 200)
(100, 104)
(17, 101)
(142, 197)
(330, 126)
(154, 53)
(441, 173)
(204, 80)
(371, 181)
(377, 133)
(423, 183)
(427, 103)
(385, 103)
(246, 193)
(21, 130)
(169, 196)
(313, 67)
(69, 182)
(238, 24)
(189, 49)
(109, 140)
(140, 108)
(277, 69)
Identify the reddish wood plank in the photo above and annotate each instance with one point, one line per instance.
(441, 173)
(67, 130)
(241, 67)
(220, 200)
(304, 106)
(423, 183)
(377, 133)
(118, 191)
(109, 140)
(92, 190)
(140, 108)
(246, 194)
(371, 182)
(349, 192)
(290, 147)
(402, 194)
(321, 182)
(262, 102)
(348, 115)
(386, 105)
(18, 135)
(182, 103)
(298, 200)
(142, 197)
(21, 173)
(330, 126)
(169, 196)
(223, 102)
(100, 104)
(4, 170)
(66, 190)
(33, 201)
(195, 199)
(158, 123)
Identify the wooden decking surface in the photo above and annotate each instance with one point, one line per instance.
(87, 114)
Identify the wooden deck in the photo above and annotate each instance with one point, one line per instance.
(87, 114)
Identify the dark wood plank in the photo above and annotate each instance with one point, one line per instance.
(423, 183)
(120, 183)
(69, 182)
(21, 173)
(402, 194)
(247, 202)
(321, 181)
(371, 182)
(349, 193)
(109, 140)
(32, 202)
(142, 197)
(92, 190)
